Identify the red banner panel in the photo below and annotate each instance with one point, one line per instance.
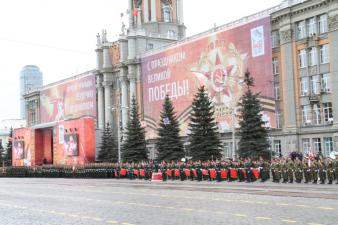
(73, 98)
(218, 61)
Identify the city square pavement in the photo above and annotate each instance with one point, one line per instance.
(88, 201)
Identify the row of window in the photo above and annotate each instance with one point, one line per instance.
(318, 84)
(315, 114)
(312, 26)
(309, 57)
(315, 146)
(305, 28)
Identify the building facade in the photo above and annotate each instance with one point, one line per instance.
(305, 56)
(30, 79)
(299, 52)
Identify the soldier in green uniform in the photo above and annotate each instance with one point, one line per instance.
(284, 170)
(307, 171)
(322, 171)
(263, 169)
(290, 170)
(314, 170)
(273, 170)
(330, 170)
(278, 170)
(298, 170)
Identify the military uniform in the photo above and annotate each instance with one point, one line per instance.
(284, 172)
(307, 172)
(314, 171)
(330, 171)
(298, 171)
(322, 171)
(290, 170)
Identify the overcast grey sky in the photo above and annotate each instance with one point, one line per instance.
(59, 35)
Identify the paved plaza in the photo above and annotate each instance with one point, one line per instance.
(88, 201)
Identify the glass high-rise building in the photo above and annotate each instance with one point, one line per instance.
(30, 79)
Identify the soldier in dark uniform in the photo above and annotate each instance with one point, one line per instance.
(198, 170)
(218, 168)
(182, 173)
(240, 171)
(163, 168)
(248, 169)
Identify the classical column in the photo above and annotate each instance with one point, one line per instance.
(153, 11)
(132, 87)
(179, 8)
(124, 101)
(107, 101)
(289, 94)
(130, 7)
(146, 12)
(139, 19)
(100, 102)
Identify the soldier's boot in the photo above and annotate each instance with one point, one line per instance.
(291, 181)
(330, 182)
(315, 182)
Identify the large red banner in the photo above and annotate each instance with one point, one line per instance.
(218, 61)
(69, 99)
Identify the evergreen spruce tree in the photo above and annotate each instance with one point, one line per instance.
(205, 142)
(169, 144)
(134, 145)
(254, 142)
(2, 155)
(9, 149)
(108, 149)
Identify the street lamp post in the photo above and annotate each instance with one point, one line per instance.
(119, 108)
(233, 132)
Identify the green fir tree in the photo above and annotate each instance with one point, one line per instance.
(108, 149)
(134, 146)
(204, 138)
(8, 159)
(169, 144)
(254, 138)
(2, 155)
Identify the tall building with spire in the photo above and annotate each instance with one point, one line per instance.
(152, 24)
(30, 79)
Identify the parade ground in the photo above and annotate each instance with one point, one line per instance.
(25, 201)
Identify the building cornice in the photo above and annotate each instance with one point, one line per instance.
(298, 9)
